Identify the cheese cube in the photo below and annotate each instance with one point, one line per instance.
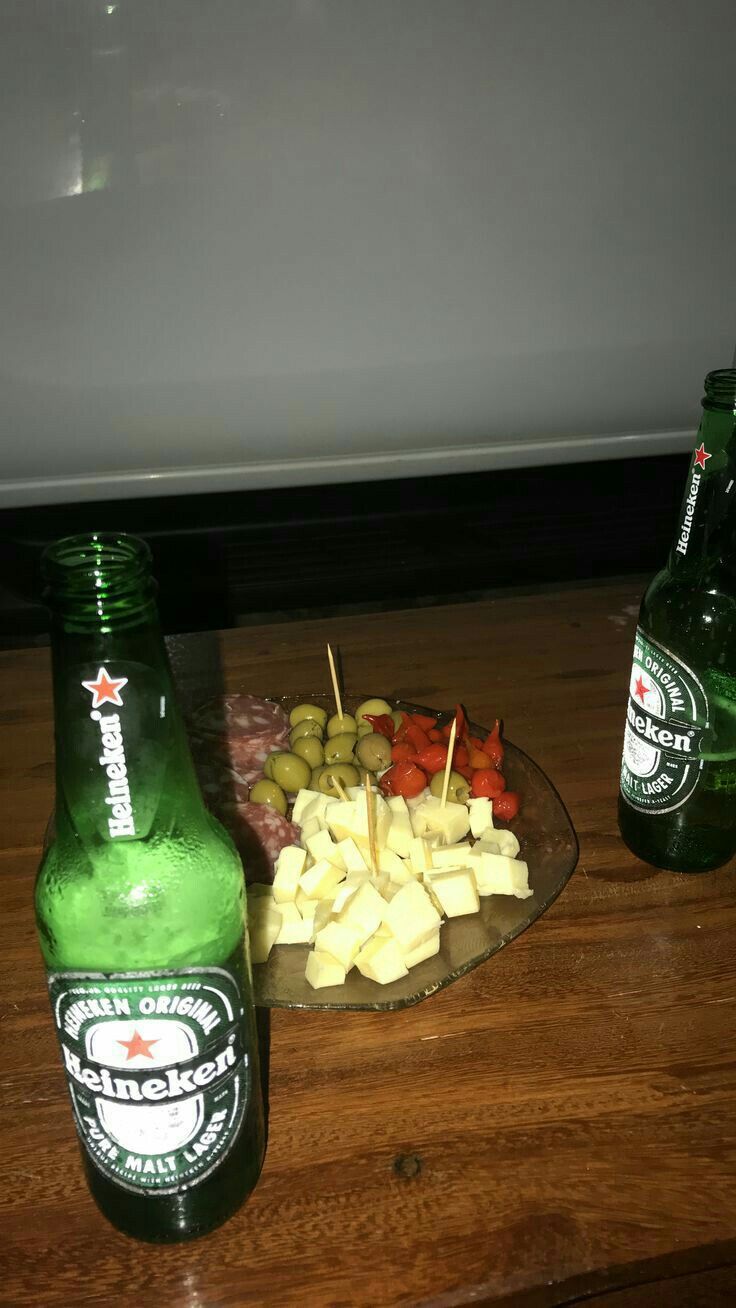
(310, 827)
(382, 819)
(340, 819)
(411, 915)
(456, 890)
(400, 834)
(322, 915)
(451, 855)
(303, 799)
(289, 867)
(480, 812)
(263, 932)
(507, 842)
(358, 877)
(402, 873)
(321, 845)
(427, 949)
(383, 932)
(452, 822)
(340, 941)
(323, 970)
(499, 875)
(350, 856)
(420, 854)
(343, 893)
(307, 907)
(397, 804)
(295, 930)
(380, 960)
(487, 843)
(363, 912)
(318, 881)
(389, 863)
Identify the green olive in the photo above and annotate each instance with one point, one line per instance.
(398, 718)
(345, 773)
(310, 748)
(458, 791)
(339, 749)
(372, 706)
(364, 729)
(267, 792)
(311, 712)
(307, 727)
(289, 771)
(316, 774)
(374, 752)
(337, 725)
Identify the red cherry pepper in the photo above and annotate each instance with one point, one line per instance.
(403, 779)
(383, 723)
(402, 752)
(492, 745)
(488, 783)
(435, 735)
(433, 759)
(461, 758)
(507, 805)
(424, 721)
(418, 737)
(465, 770)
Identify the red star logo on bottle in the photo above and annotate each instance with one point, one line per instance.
(640, 689)
(701, 454)
(137, 1047)
(106, 689)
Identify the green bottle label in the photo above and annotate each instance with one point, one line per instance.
(667, 717)
(158, 1076)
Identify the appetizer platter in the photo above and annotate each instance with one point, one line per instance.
(388, 848)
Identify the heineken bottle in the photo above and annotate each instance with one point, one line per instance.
(140, 905)
(677, 807)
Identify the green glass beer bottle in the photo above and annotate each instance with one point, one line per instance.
(677, 805)
(140, 905)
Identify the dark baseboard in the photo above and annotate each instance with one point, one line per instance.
(221, 559)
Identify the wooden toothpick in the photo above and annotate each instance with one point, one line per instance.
(340, 791)
(448, 764)
(371, 824)
(335, 686)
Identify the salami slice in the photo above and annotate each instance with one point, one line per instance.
(236, 733)
(238, 716)
(260, 834)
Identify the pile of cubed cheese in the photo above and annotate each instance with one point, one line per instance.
(325, 892)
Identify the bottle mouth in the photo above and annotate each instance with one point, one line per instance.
(720, 389)
(99, 565)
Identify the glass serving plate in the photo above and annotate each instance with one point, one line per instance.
(548, 844)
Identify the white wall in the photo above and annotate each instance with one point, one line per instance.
(263, 242)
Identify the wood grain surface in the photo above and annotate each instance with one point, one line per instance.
(558, 1124)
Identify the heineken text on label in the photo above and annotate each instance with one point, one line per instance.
(158, 1077)
(666, 717)
(699, 459)
(107, 690)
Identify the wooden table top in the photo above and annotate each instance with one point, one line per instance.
(559, 1122)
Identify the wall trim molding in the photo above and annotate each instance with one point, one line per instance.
(378, 466)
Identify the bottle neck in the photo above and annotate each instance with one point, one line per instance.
(123, 766)
(706, 529)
